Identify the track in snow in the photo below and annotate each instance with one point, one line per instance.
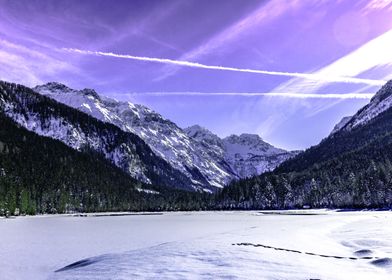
(376, 259)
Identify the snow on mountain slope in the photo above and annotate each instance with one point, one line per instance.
(341, 124)
(62, 129)
(381, 102)
(209, 141)
(196, 152)
(164, 137)
(80, 131)
(247, 155)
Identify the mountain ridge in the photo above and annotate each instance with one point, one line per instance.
(379, 103)
(78, 130)
(350, 168)
(40, 174)
(201, 160)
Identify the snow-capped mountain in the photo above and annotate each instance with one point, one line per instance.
(47, 117)
(165, 138)
(210, 162)
(247, 154)
(381, 102)
(209, 141)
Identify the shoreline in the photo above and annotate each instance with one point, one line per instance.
(288, 212)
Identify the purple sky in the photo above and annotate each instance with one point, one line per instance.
(326, 39)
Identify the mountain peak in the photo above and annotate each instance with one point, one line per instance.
(251, 143)
(244, 138)
(380, 102)
(90, 92)
(59, 88)
(202, 134)
(53, 86)
(341, 124)
(251, 136)
(196, 129)
(384, 92)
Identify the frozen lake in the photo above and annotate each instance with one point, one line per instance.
(199, 245)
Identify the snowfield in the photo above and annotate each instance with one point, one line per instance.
(199, 245)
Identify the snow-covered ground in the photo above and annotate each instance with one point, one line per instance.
(201, 245)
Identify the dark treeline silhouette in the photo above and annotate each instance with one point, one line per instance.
(42, 175)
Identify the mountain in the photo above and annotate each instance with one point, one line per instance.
(82, 132)
(381, 102)
(246, 155)
(350, 168)
(164, 137)
(198, 154)
(341, 124)
(42, 175)
(54, 158)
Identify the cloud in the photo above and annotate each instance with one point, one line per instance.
(266, 94)
(266, 12)
(318, 77)
(372, 58)
(25, 65)
(378, 5)
(373, 54)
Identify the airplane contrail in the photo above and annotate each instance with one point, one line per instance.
(319, 77)
(272, 94)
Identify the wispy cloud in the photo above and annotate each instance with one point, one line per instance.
(267, 94)
(25, 65)
(373, 54)
(266, 12)
(378, 5)
(318, 77)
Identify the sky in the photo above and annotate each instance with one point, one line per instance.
(286, 70)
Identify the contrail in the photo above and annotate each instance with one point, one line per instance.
(272, 94)
(327, 78)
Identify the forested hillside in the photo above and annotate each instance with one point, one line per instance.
(42, 175)
(350, 168)
(79, 131)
